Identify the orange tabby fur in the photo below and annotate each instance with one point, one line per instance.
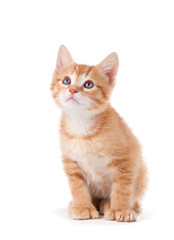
(101, 156)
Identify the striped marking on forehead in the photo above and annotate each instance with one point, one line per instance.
(82, 69)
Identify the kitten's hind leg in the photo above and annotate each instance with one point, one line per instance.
(104, 205)
(137, 207)
(96, 202)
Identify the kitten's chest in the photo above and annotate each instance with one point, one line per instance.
(90, 158)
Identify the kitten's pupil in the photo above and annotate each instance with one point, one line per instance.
(88, 84)
(66, 80)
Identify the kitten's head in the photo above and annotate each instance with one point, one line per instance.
(82, 87)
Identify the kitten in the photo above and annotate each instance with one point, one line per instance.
(101, 156)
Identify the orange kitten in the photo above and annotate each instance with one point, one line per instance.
(101, 156)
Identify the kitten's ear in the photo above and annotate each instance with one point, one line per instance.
(109, 67)
(64, 59)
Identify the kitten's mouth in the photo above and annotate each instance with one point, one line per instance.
(72, 99)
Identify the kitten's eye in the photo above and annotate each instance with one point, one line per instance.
(89, 84)
(66, 80)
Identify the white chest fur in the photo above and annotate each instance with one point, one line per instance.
(78, 122)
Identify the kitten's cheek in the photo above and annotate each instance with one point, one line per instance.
(57, 100)
(62, 99)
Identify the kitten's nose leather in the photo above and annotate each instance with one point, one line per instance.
(73, 90)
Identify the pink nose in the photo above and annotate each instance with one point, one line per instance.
(73, 90)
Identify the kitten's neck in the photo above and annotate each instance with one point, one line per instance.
(82, 123)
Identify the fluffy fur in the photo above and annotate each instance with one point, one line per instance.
(101, 156)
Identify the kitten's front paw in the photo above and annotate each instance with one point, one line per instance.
(127, 215)
(82, 212)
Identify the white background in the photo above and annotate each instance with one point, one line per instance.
(34, 192)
